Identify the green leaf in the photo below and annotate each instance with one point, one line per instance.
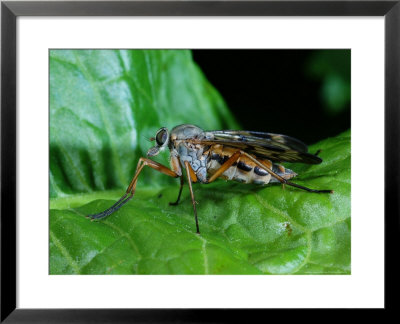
(245, 229)
(103, 106)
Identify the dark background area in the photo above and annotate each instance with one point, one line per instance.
(301, 93)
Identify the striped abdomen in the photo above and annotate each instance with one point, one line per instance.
(244, 170)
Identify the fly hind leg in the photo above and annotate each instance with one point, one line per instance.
(225, 166)
(281, 179)
(284, 181)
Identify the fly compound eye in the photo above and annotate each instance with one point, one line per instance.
(162, 136)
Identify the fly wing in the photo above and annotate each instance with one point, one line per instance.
(275, 147)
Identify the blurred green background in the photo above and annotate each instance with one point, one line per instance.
(302, 93)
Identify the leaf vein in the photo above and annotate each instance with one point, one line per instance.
(64, 252)
(125, 234)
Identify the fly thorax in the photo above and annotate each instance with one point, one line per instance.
(194, 156)
(189, 154)
(182, 151)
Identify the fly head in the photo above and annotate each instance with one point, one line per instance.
(162, 139)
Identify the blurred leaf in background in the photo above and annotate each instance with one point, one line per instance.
(104, 105)
(332, 69)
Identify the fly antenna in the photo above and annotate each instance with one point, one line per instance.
(151, 139)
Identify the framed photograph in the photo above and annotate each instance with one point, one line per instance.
(197, 155)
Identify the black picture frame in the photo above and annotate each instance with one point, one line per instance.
(390, 10)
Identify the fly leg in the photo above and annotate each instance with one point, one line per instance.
(281, 179)
(191, 175)
(179, 195)
(130, 191)
(225, 166)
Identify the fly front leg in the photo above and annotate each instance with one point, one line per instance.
(130, 191)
